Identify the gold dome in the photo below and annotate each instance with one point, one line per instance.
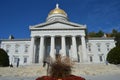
(57, 10)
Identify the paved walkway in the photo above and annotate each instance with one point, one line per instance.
(87, 77)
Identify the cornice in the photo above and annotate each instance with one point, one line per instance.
(14, 39)
(101, 38)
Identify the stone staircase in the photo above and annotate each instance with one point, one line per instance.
(78, 69)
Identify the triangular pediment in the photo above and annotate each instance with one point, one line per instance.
(58, 25)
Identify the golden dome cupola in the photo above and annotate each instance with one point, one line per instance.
(57, 10)
(57, 14)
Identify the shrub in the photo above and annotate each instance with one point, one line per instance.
(113, 56)
(4, 59)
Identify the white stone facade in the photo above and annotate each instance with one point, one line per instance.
(57, 35)
(98, 48)
(17, 49)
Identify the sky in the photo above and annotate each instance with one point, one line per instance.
(17, 15)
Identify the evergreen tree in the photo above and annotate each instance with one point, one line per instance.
(113, 56)
(114, 32)
(117, 39)
(100, 33)
(92, 34)
(4, 59)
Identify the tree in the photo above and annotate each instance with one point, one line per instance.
(117, 39)
(113, 56)
(92, 34)
(114, 32)
(99, 33)
(4, 59)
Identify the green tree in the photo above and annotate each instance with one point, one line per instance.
(113, 56)
(100, 33)
(114, 32)
(92, 34)
(4, 59)
(117, 39)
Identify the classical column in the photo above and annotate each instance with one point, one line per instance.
(84, 49)
(52, 48)
(74, 48)
(41, 49)
(63, 46)
(32, 56)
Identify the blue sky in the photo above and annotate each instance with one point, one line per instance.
(17, 15)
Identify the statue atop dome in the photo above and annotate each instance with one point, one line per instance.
(57, 6)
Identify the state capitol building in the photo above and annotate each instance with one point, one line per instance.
(57, 35)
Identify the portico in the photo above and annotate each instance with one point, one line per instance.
(44, 46)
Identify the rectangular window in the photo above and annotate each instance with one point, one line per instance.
(91, 59)
(108, 48)
(25, 59)
(8, 48)
(89, 48)
(17, 48)
(26, 48)
(7, 51)
(15, 59)
(100, 57)
(99, 48)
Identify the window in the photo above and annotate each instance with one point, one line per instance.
(98, 46)
(89, 47)
(91, 59)
(16, 48)
(100, 57)
(108, 47)
(16, 59)
(26, 48)
(7, 48)
(25, 59)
